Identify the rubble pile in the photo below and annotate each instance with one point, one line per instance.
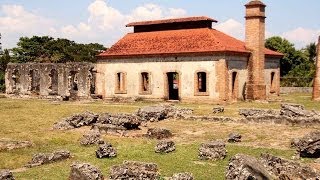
(309, 145)
(76, 121)
(127, 121)
(92, 137)
(214, 150)
(106, 150)
(292, 114)
(234, 138)
(85, 171)
(9, 144)
(161, 112)
(47, 158)
(217, 110)
(182, 176)
(6, 175)
(165, 146)
(159, 133)
(267, 167)
(134, 170)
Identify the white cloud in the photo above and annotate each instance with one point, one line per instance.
(16, 22)
(103, 16)
(235, 29)
(105, 24)
(232, 28)
(302, 36)
(299, 36)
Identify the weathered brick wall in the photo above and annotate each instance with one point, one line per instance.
(49, 79)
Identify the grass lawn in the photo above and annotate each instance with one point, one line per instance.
(33, 119)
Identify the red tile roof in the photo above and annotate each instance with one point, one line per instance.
(177, 42)
(168, 21)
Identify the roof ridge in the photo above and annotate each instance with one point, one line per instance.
(171, 20)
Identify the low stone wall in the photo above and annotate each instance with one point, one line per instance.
(286, 90)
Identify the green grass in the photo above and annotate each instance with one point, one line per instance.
(33, 119)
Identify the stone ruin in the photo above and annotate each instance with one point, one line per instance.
(234, 138)
(131, 170)
(47, 158)
(92, 137)
(9, 144)
(217, 110)
(105, 150)
(6, 175)
(134, 170)
(158, 133)
(182, 176)
(308, 146)
(161, 112)
(51, 80)
(292, 114)
(85, 171)
(165, 146)
(267, 167)
(103, 123)
(214, 150)
(119, 124)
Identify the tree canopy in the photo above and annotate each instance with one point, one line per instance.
(48, 49)
(298, 66)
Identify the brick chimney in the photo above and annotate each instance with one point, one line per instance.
(255, 39)
(316, 83)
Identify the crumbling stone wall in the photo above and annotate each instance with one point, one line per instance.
(71, 80)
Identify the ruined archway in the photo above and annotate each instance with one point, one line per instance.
(15, 81)
(54, 82)
(73, 84)
(34, 81)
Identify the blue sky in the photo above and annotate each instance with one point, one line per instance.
(103, 21)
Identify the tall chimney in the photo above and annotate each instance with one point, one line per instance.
(255, 39)
(316, 82)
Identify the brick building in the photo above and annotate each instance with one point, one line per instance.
(186, 59)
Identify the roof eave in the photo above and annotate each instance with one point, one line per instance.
(183, 54)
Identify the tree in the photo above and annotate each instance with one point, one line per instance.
(4, 60)
(311, 52)
(298, 66)
(48, 49)
(290, 57)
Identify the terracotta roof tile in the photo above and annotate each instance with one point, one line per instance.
(167, 21)
(185, 41)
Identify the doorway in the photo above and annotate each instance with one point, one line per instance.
(234, 86)
(173, 85)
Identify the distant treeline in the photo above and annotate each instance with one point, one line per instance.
(47, 49)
